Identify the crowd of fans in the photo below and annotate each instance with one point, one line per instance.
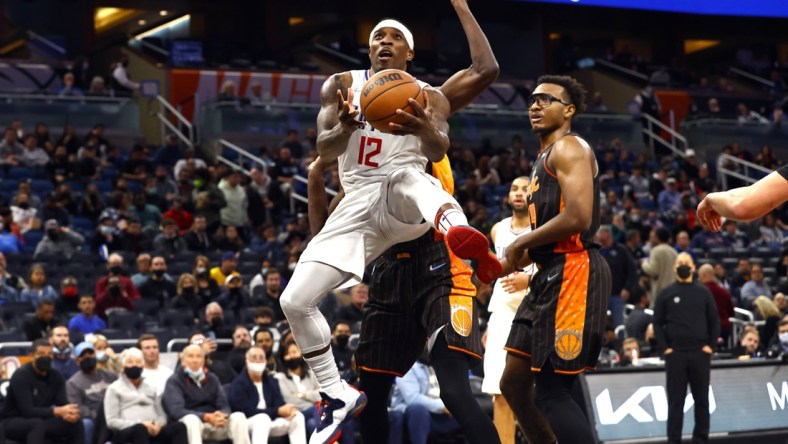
(100, 243)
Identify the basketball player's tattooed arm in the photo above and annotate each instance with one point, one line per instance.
(573, 164)
(428, 123)
(337, 118)
(317, 198)
(464, 86)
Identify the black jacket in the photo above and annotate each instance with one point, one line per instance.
(244, 398)
(31, 395)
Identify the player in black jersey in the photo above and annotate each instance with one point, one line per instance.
(557, 331)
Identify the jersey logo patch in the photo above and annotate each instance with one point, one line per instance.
(461, 314)
(568, 344)
(435, 267)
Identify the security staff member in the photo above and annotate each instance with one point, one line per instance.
(687, 325)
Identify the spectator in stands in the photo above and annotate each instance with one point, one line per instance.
(779, 346)
(60, 241)
(148, 215)
(186, 296)
(268, 246)
(157, 286)
(485, 175)
(68, 88)
(153, 371)
(638, 320)
(43, 139)
(61, 167)
(229, 240)
(161, 189)
(62, 360)
(227, 267)
(340, 346)
(259, 281)
(630, 352)
(265, 339)
(123, 86)
(32, 155)
(133, 240)
(92, 202)
(37, 289)
(722, 299)
(745, 115)
(683, 244)
(198, 239)
(670, 198)
(195, 397)
(208, 200)
(624, 273)
(69, 295)
(767, 311)
(293, 143)
(416, 395)
(138, 167)
(65, 198)
(10, 149)
(107, 236)
(258, 396)
(9, 242)
(97, 87)
(721, 275)
(188, 162)
(54, 210)
(183, 219)
(732, 236)
(133, 407)
(86, 388)
(354, 313)
(168, 155)
(115, 269)
(86, 321)
(749, 346)
(143, 270)
(755, 287)
(10, 279)
(470, 191)
(105, 356)
(235, 212)
(36, 409)
(707, 239)
(234, 297)
(242, 340)
(742, 274)
(168, 242)
(298, 383)
(24, 214)
(703, 184)
(284, 170)
(8, 293)
(266, 202)
(69, 140)
(214, 326)
(597, 104)
(114, 295)
(228, 92)
(34, 200)
(660, 263)
(771, 234)
(219, 366)
(40, 326)
(87, 167)
(782, 303)
(207, 288)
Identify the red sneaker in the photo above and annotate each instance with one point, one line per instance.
(469, 243)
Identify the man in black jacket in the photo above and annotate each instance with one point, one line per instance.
(257, 395)
(41, 325)
(686, 325)
(623, 273)
(36, 409)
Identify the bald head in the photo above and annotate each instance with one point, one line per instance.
(706, 273)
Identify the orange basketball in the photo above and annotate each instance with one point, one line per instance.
(385, 93)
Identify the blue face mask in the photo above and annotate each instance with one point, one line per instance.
(101, 356)
(195, 376)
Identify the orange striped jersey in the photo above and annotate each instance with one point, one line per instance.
(546, 201)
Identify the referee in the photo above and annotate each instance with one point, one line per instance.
(686, 325)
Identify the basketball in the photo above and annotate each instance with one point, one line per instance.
(386, 92)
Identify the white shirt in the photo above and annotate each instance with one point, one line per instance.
(157, 378)
(501, 299)
(260, 405)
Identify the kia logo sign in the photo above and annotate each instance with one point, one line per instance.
(640, 411)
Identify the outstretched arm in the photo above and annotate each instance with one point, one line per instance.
(466, 85)
(336, 120)
(745, 203)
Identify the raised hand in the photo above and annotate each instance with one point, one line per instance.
(347, 113)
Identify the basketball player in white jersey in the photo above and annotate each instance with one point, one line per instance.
(507, 295)
(388, 195)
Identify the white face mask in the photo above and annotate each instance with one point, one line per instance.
(256, 367)
(784, 338)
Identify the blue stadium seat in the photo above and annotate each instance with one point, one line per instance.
(82, 224)
(114, 333)
(20, 173)
(147, 308)
(104, 186)
(41, 187)
(125, 320)
(76, 186)
(9, 185)
(13, 312)
(32, 238)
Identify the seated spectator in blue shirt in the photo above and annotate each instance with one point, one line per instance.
(68, 88)
(755, 287)
(669, 198)
(87, 321)
(419, 399)
(9, 243)
(258, 396)
(707, 240)
(149, 215)
(683, 244)
(38, 290)
(62, 360)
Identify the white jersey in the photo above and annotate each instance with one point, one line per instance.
(501, 299)
(371, 155)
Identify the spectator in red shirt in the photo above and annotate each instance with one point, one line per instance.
(115, 296)
(722, 298)
(183, 219)
(115, 269)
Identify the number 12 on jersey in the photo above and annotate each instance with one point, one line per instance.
(367, 149)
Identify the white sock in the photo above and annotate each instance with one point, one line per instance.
(327, 374)
(450, 218)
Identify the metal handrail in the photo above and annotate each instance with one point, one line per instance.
(165, 121)
(339, 54)
(21, 344)
(746, 313)
(621, 69)
(176, 341)
(227, 144)
(55, 97)
(651, 122)
(751, 76)
(743, 175)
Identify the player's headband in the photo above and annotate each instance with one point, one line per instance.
(390, 23)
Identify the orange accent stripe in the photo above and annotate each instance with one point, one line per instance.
(536, 369)
(374, 370)
(570, 313)
(517, 352)
(571, 372)
(571, 244)
(547, 168)
(461, 275)
(466, 351)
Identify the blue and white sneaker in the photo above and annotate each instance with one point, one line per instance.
(334, 412)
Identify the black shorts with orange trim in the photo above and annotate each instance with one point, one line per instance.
(417, 287)
(563, 318)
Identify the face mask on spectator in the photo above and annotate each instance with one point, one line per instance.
(195, 375)
(101, 356)
(70, 292)
(87, 364)
(216, 322)
(159, 273)
(201, 271)
(784, 339)
(187, 291)
(342, 340)
(294, 363)
(132, 372)
(256, 367)
(684, 271)
(116, 270)
(61, 351)
(105, 230)
(43, 363)
(24, 205)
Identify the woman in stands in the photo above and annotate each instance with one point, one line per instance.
(37, 289)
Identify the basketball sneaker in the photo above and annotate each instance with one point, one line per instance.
(334, 412)
(469, 243)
